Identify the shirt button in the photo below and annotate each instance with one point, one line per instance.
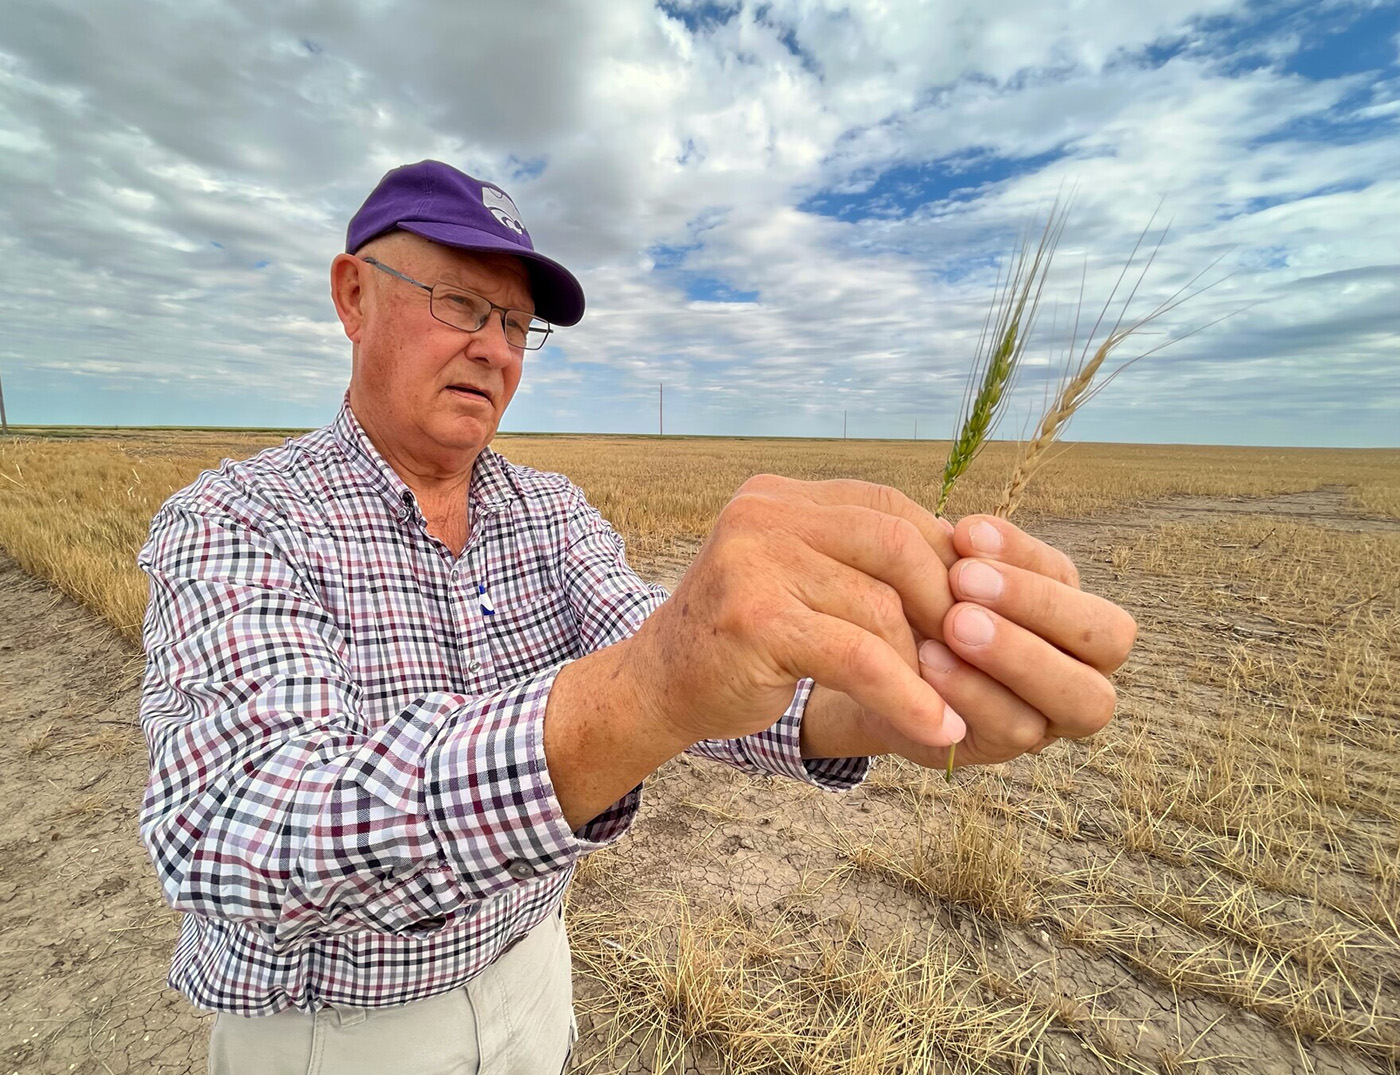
(402, 515)
(521, 871)
(475, 666)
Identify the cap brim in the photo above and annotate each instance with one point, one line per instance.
(558, 296)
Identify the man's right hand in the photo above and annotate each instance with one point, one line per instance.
(829, 580)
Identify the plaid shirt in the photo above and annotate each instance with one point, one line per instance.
(348, 793)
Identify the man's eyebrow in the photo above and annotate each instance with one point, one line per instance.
(451, 277)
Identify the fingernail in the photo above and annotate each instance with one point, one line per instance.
(985, 537)
(979, 581)
(937, 656)
(947, 526)
(953, 726)
(973, 626)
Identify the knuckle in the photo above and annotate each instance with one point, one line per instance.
(855, 654)
(893, 502)
(1113, 641)
(747, 510)
(897, 537)
(1025, 735)
(1098, 710)
(764, 484)
(1040, 595)
(745, 614)
(886, 606)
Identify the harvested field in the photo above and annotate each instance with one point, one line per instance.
(1210, 884)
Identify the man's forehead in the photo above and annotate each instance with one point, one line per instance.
(448, 264)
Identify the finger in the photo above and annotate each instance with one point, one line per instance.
(1049, 740)
(843, 657)
(938, 533)
(884, 547)
(1088, 627)
(1074, 698)
(1000, 725)
(991, 538)
(836, 589)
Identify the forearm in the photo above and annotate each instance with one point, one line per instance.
(599, 742)
(832, 728)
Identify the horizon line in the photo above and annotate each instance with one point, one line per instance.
(42, 429)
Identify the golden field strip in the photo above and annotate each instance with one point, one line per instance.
(1210, 884)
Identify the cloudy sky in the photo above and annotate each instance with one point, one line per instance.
(784, 211)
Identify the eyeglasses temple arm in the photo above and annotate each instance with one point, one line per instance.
(394, 272)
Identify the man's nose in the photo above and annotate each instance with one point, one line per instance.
(489, 343)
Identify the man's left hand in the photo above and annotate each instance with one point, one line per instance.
(1028, 653)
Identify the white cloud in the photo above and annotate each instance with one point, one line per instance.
(178, 177)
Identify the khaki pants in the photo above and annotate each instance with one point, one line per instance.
(515, 1018)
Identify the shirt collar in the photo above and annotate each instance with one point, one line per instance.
(493, 486)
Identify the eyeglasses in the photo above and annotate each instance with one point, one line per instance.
(469, 311)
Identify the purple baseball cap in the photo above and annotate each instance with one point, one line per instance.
(440, 203)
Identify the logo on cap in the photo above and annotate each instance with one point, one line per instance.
(502, 208)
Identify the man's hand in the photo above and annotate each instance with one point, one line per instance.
(834, 580)
(842, 581)
(1027, 654)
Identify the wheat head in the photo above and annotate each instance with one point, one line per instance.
(1011, 319)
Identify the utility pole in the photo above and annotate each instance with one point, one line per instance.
(843, 425)
(916, 429)
(661, 409)
(4, 422)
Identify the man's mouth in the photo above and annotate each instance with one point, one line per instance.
(468, 390)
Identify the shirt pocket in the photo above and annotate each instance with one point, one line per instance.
(529, 638)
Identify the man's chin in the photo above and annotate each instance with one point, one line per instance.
(463, 434)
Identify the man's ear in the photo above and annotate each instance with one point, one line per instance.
(348, 293)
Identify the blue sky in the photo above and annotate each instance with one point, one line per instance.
(784, 211)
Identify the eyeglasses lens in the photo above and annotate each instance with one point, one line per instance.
(467, 311)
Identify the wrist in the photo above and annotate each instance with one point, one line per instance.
(652, 711)
(601, 737)
(833, 727)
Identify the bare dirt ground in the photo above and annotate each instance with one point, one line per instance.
(85, 937)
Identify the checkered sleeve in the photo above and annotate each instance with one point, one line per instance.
(610, 602)
(271, 802)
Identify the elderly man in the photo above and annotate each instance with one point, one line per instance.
(397, 686)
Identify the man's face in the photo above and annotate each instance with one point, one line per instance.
(421, 388)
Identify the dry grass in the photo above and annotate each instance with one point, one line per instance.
(1221, 864)
(797, 992)
(981, 864)
(111, 743)
(75, 510)
(40, 741)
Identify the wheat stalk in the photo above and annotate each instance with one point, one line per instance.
(1011, 319)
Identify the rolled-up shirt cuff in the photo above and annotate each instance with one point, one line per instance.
(491, 799)
(777, 751)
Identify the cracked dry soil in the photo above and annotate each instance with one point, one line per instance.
(85, 936)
